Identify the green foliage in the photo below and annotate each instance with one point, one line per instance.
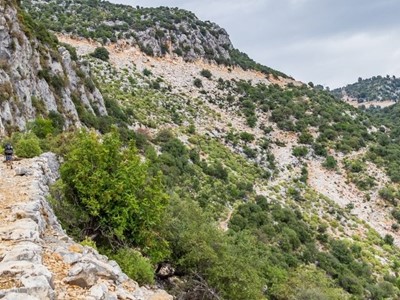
(246, 137)
(206, 73)
(219, 264)
(300, 151)
(122, 202)
(147, 72)
(42, 127)
(27, 145)
(198, 83)
(330, 163)
(309, 283)
(101, 53)
(372, 89)
(134, 265)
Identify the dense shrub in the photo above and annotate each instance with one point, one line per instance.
(27, 145)
(134, 265)
(101, 53)
(206, 73)
(110, 185)
(197, 83)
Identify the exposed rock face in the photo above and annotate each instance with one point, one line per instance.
(37, 259)
(36, 79)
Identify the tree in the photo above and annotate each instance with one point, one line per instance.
(101, 53)
(122, 203)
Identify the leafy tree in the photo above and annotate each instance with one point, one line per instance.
(122, 202)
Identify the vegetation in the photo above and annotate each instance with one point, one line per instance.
(101, 53)
(154, 196)
(116, 22)
(377, 88)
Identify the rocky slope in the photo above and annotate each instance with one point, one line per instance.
(155, 31)
(37, 259)
(38, 76)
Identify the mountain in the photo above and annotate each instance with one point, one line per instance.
(206, 177)
(378, 90)
(156, 31)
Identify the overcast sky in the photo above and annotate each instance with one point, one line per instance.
(330, 42)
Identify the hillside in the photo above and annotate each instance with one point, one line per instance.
(211, 180)
(378, 91)
(159, 31)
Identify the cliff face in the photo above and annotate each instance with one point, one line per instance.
(39, 76)
(37, 259)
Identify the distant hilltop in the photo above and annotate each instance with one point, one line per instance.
(378, 91)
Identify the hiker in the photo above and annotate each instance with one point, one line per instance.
(8, 153)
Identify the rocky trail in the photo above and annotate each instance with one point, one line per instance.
(37, 259)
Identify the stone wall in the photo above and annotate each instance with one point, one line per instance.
(37, 259)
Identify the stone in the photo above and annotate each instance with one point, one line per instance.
(19, 296)
(21, 230)
(26, 251)
(83, 280)
(21, 171)
(98, 291)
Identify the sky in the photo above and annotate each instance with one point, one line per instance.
(328, 42)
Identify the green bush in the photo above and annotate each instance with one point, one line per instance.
(28, 146)
(206, 73)
(197, 83)
(121, 200)
(42, 127)
(135, 265)
(101, 53)
(330, 163)
(300, 151)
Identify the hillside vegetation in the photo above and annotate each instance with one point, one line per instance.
(201, 182)
(377, 88)
(156, 31)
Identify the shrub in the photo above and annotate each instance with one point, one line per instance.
(300, 151)
(42, 127)
(206, 73)
(28, 146)
(330, 163)
(135, 265)
(246, 137)
(101, 53)
(147, 72)
(197, 83)
(121, 200)
(388, 239)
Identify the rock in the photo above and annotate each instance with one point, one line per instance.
(26, 251)
(85, 279)
(21, 230)
(98, 291)
(19, 296)
(21, 171)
